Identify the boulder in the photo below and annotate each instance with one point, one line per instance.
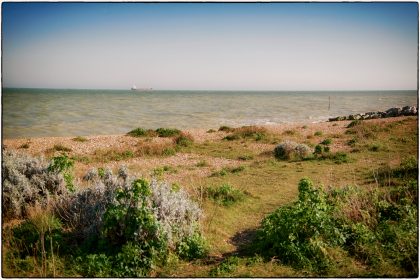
(409, 111)
(393, 112)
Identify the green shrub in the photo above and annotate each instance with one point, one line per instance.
(94, 265)
(184, 140)
(354, 123)
(141, 132)
(169, 152)
(318, 150)
(62, 164)
(225, 194)
(167, 132)
(211, 131)
(226, 128)
(340, 157)
(318, 133)
(301, 233)
(192, 247)
(229, 265)
(327, 142)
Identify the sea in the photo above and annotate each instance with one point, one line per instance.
(67, 112)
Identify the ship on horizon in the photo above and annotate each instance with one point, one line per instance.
(134, 88)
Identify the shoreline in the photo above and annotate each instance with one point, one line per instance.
(41, 145)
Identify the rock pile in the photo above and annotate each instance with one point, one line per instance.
(391, 112)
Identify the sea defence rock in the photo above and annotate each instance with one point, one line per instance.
(391, 112)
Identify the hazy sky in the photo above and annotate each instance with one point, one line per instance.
(254, 46)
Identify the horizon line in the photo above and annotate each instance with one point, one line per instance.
(262, 90)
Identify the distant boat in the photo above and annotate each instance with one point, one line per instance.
(134, 88)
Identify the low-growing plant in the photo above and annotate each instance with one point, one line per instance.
(155, 149)
(211, 131)
(80, 139)
(167, 132)
(62, 164)
(246, 157)
(24, 146)
(27, 181)
(202, 163)
(375, 147)
(229, 265)
(192, 247)
(291, 150)
(354, 123)
(225, 194)
(184, 140)
(141, 132)
(301, 233)
(289, 132)
(226, 128)
(318, 133)
(326, 142)
(232, 137)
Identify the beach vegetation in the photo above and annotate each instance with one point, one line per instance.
(289, 132)
(318, 133)
(211, 130)
(226, 128)
(225, 194)
(248, 132)
(246, 157)
(288, 150)
(61, 148)
(24, 146)
(167, 132)
(354, 123)
(202, 163)
(155, 149)
(80, 139)
(184, 140)
(141, 132)
(309, 234)
(326, 142)
(26, 182)
(371, 201)
(226, 170)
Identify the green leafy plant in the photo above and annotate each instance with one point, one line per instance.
(302, 232)
(192, 247)
(326, 142)
(184, 140)
(229, 265)
(225, 194)
(167, 132)
(63, 164)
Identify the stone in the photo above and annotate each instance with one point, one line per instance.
(409, 111)
(393, 112)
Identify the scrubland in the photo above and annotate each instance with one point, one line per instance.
(336, 199)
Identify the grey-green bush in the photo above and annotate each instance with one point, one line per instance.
(27, 181)
(291, 150)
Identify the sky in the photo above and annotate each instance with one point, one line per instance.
(210, 46)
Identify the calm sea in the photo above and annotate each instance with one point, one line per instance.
(50, 112)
